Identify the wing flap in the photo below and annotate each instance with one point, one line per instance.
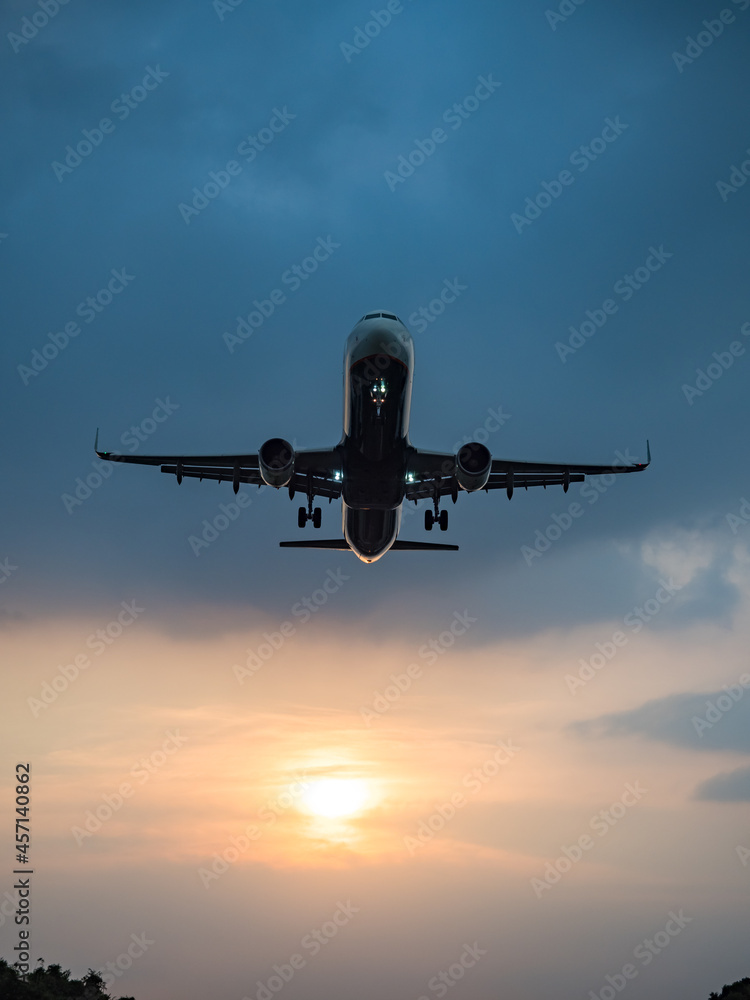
(501, 482)
(625, 464)
(223, 461)
(431, 473)
(316, 471)
(222, 475)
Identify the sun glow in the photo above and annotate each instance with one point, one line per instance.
(336, 797)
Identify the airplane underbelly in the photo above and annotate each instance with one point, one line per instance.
(371, 532)
(384, 492)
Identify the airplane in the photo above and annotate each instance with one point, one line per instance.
(374, 469)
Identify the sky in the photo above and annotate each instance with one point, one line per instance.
(518, 770)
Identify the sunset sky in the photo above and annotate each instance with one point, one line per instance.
(520, 770)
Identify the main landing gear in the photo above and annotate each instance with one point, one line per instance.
(438, 517)
(303, 516)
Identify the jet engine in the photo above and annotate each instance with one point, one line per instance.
(276, 462)
(473, 465)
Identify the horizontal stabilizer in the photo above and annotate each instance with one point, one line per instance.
(317, 543)
(420, 546)
(341, 543)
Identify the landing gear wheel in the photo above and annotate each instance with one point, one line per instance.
(429, 520)
(443, 520)
(316, 518)
(301, 517)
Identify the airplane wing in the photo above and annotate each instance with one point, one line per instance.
(431, 474)
(316, 472)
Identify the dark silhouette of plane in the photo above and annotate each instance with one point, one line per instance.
(374, 469)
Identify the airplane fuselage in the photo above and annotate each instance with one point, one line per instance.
(378, 372)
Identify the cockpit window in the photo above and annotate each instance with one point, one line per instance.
(379, 316)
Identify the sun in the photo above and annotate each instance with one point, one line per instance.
(336, 798)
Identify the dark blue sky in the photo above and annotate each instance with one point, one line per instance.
(218, 81)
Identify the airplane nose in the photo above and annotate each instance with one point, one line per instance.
(385, 341)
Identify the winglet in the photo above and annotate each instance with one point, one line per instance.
(648, 452)
(101, 454)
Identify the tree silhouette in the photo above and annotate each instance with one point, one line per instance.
(737, 991)
(52, 983)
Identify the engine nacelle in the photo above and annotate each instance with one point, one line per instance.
(276, 462)
(473, 465)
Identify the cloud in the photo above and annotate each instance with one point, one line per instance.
(712, 721)
(715, 720)
(733, 786)
(701, 563)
